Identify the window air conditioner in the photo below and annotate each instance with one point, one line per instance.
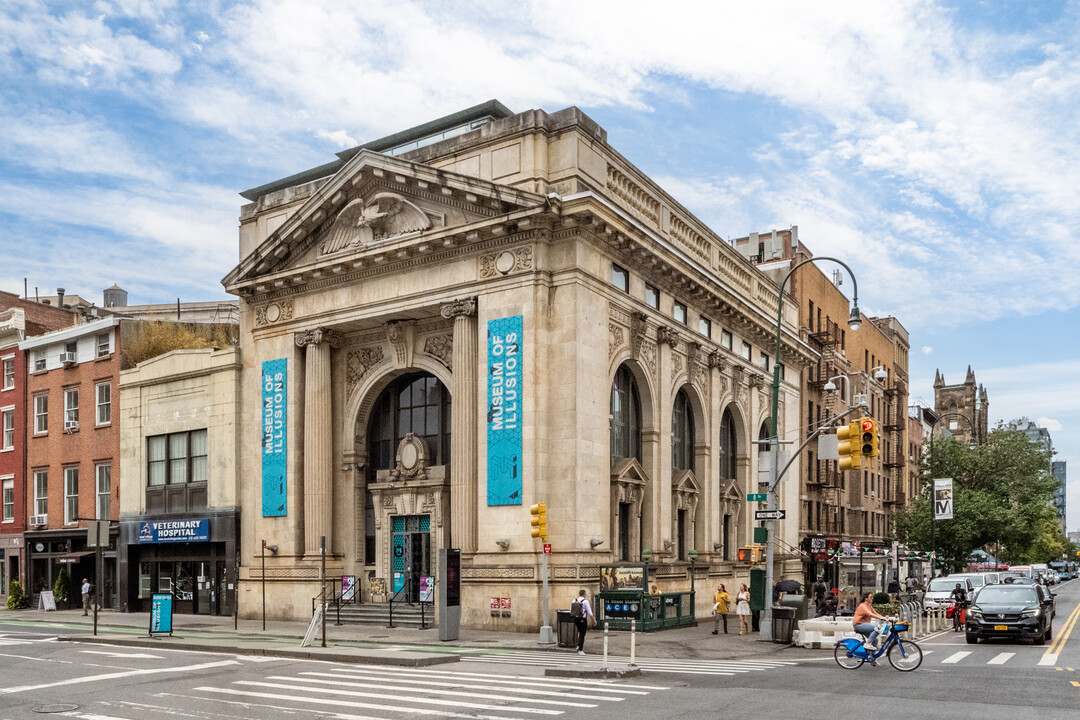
(873, 493)
(67, 358)
(39, 520)
(70, 425)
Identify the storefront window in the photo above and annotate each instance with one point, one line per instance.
(145, 589)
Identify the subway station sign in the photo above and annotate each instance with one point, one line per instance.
(171, 531)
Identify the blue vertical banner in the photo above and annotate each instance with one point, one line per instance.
(505, 410)
(275, 419)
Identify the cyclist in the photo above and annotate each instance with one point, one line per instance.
(864, 614)
(959, 599)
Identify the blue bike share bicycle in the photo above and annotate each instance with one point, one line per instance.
(904, 655)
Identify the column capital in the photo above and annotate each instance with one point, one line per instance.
(465, 307)
(317, 336)
(667, 336)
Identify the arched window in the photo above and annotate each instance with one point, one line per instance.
(682, 433)
(625, 417)
(727, 446)
(764, 434)
(418, 404)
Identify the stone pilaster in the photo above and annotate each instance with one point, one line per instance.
(318, 433)
(463, 469)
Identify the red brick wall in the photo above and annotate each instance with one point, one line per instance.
(85, 448)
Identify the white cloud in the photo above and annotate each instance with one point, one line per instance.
(926, 349)
(337, 137)
(1049, 423)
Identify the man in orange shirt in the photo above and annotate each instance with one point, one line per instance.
(864, 614)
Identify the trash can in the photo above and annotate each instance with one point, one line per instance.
(783, 624)
(565, 630)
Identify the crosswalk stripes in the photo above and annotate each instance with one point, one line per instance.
(955, 658)
(1001, 659)
(679, 666)
(423, 692)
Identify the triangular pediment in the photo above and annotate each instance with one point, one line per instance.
(629, 470)
(729, 490)
(684, 481)
(376, 201)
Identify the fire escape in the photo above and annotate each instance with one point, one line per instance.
(824, 480)
(894, 462)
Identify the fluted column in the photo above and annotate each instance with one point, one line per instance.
(318, 434)
(463, 470)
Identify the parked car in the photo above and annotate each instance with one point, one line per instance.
(1013, 610)
(1042, 570)
(940, 589)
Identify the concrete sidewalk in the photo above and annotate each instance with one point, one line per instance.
(378, 645)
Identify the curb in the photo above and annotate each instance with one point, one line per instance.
(330, 654)
(601, 673)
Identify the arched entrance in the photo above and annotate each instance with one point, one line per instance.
(407, 477)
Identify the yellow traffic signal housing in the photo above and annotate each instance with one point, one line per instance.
(539, 521)
(750, 554)
(868, 437)
(848, 446)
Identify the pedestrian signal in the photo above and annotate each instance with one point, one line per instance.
(848, 447)
(868, 437)
(750, 554)
(539, 521)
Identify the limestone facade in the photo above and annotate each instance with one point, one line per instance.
(392, 275)
(189, 401)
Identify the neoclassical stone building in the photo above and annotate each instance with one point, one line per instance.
(445, 326)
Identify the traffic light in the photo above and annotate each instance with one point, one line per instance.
(868, 437)
(539, 521)
(750, 554)
(848, 447)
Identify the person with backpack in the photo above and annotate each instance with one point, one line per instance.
(581, 612)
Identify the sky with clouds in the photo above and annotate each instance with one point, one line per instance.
(933, 146)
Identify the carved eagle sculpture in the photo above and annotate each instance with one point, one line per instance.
(364, 221)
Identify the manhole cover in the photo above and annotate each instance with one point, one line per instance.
(66, 707)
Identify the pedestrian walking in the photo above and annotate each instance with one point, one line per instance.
(85, 596)
(819, 597)
(894, 589)
(721, 598)
(742, 609)
(582, 613)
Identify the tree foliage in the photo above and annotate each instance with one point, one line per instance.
(1002, 500)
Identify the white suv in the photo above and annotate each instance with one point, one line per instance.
(939, 592)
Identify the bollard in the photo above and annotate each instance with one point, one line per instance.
(633, 640)
(604, 666)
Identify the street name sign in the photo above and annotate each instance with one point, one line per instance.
(758, 497)
(770, 514)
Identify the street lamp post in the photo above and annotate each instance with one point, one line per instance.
(854, 321)
(933, 425)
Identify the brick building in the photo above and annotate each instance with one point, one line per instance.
(73, 448)
(841, 509)
(18, 319)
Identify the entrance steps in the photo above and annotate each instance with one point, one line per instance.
(405, 615)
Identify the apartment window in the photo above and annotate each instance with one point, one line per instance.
(746, 350)
(39, 360)
(71, 408)
(41, 413)
(783, 370)
(764, 360)
(620, 277)
(9, 373)
(810, 322)
(652, 296)
(705, 327)
(678, 311)
(726, 340)
(177, 458)
(9, 500)
(103, 345)
(103, 489)
(103, 392)
(41, 492)
(71, 495)
(7, 422)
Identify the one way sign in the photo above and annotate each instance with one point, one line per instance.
(770, 514)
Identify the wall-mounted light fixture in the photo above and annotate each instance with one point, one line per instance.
(503, 543)
(668, 544)
(717, 547)
(596, 542)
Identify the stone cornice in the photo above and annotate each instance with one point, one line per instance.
(328, 278)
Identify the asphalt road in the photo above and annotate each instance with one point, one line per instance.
(95, 682)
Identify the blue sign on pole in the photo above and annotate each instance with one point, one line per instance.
(505, 410)
(274, 436)
(166, 531)
(161, 612)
